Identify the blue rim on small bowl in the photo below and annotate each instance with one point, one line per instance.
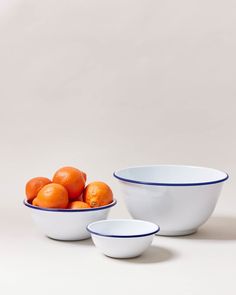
(122, 236)
(169, 184)
(26, 203)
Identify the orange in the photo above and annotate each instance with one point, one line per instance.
(52, 195)
(97, 194)
(34, 185)
(72, 179)
(78, 205)
(34, 202)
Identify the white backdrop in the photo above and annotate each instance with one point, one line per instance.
(105, 84)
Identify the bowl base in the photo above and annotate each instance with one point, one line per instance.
(177, 233)
(123, 257)
(68, 240)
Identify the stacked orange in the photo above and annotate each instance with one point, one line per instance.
(67, 190)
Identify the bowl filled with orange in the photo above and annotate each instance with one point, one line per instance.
(63, 206)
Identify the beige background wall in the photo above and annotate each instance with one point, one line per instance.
(105, 84)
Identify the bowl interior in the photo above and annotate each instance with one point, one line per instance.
(123, 228)
(171, 174)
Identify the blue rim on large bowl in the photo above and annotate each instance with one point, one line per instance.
(169, 184)
(27, 204)
(123, 236)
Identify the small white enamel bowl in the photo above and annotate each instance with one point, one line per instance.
(67, 224)
(178, 198)
(122, 238)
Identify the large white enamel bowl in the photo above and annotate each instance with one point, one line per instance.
(67, 224)
(122, 238)
(178, 198)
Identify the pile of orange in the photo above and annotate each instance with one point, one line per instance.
(67, 190)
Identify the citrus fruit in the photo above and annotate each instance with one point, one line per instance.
(52, 195)
(34, 185)
(34, 202)
(97, 194)
(72, 179)
(78, 205)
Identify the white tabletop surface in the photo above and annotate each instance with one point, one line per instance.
(203, 263)
(102, 85)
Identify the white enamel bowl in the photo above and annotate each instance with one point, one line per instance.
(122, 238)
(178, 198)
(67, 224)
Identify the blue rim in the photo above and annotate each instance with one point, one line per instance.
(70, 210)
(171, 184)
(123, 236)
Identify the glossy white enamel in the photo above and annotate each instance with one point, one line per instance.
(180, 204)
(67, 225)
(122, 238)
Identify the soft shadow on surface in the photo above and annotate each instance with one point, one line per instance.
(153, 254)
(217, 228)
(86, 242)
